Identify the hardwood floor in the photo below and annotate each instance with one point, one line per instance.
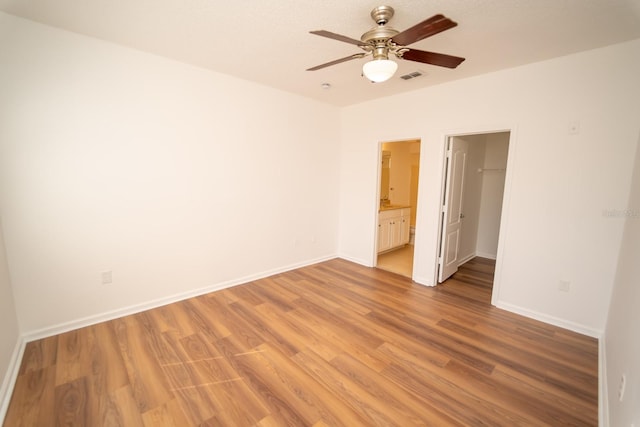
(333, 344)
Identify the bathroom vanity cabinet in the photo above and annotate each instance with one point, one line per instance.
(393, 227)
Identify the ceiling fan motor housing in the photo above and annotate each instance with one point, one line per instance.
(382, 14)
(378, 37)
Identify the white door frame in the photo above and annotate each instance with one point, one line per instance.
(506, 197)
(374, 257)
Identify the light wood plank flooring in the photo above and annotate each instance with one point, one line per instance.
(333, 344)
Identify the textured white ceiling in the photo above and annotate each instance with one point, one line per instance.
(268, 41)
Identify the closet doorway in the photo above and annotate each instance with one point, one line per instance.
(475, 175)
(398, 201)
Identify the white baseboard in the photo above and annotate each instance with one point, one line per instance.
(137, 308)
(466, 259)
(556, 321)
(10, 377)
(476, 254)
(356, 260)
(603, 392)
(424, 281)
(603, 407)
(487, 255)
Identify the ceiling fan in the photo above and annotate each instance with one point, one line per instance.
(382, 40)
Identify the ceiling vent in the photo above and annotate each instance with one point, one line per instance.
(411, 75)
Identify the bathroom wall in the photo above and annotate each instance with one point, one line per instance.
(400, 173)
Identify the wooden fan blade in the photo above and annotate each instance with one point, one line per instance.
(337, 61)
(432, 58)
(426, 28)
(338, 37)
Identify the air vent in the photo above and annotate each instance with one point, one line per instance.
(411, 75)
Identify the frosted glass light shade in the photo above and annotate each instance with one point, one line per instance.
(379, 70)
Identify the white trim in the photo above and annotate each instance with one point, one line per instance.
(440, 205)
(556, 321)
(137, 308)
(487, 255)
(505, 214)
(467, 258)
(603, 393)
(376, 209)
(376, 222)
(424, 281)
(10, 377)
(360, 261)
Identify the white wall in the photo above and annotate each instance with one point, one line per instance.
(9, 330)
(558, 183)
(496, 150)
(172, 177)
(622, 338)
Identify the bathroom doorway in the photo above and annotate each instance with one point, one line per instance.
(398, 184)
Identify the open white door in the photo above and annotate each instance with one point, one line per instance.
(452, 209)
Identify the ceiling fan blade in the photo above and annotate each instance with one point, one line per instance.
(426, 28)
(338, 37)
(337, 61)
(432, 58)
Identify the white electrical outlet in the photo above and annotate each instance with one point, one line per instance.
(564, 285)
(106, 277)
(623, 386)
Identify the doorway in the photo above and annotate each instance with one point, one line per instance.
(475, 174)
(398, 189)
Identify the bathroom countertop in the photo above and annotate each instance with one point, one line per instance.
(392, 207)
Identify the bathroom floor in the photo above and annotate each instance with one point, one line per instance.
(398, 261)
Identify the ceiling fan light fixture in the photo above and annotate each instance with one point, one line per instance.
(379, 70)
